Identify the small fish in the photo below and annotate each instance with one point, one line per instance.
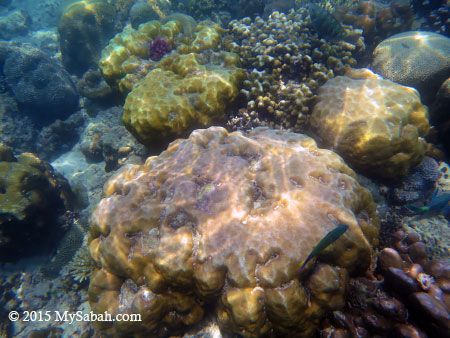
(326, 24)
(329, 238)
(436, 204)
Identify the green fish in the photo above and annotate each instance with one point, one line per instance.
(329, 238)
(326, 24)
(436, 204)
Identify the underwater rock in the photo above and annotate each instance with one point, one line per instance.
(376, 125)
(415, 59)
(223, 220)
(40, 86)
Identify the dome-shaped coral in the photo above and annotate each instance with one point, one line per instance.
(224, 220)
(180, 95)
(375, 124)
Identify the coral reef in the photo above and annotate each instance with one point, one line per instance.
(93, 87)
(24, 291)
(375, 124)
(409, 298)
(106, 139)
(17, 22)
(415, 59)
(66, 250)
(82, 265)
(141, 12)
(287, 65)
(40, 85)
(224, 219)
(84, 29)
(158, 48)
(438, 20)
(418, 185)
(377, 20)
(32, 197)
(183, 93)
(126, 59)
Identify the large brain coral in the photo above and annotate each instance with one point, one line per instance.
(375, 124)
(223, 220)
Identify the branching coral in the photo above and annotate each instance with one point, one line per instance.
(288, 64)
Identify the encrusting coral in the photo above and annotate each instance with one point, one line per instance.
(224, 219)
(184, 92)
(376, 125)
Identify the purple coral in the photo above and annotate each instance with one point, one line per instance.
(158, 48)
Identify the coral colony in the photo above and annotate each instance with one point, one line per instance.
(158, 48)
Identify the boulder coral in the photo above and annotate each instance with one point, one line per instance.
(376, 125)
(125, 60)
(181, 94)
(416, 59)
(84, 29)
(222, 220)
(32, 197)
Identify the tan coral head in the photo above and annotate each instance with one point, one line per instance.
(375, 124)
(225, 219)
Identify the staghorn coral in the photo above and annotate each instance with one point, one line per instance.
(224, 219)
(184, 92)
(287, 65)
(126, 59)
(375, 124)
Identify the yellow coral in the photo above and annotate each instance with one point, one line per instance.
(125, 60)
(225, 219)
(375, 124)
(180, 95)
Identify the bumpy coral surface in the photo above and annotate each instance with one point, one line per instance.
(377, 20)
(32, 196)
(288, 63)
(375, 124)
(224, 219)
(126, 58)
(180, 95)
